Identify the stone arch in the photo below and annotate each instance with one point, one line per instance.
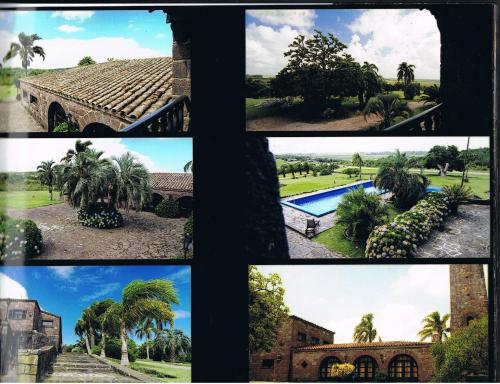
(403, 368)
(55, 115)
(325, 365)
(365, 368)
(98, 129)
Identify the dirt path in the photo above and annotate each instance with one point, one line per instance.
(14, 118)
(281, 123)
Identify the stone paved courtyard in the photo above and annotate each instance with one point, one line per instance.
(14, 118)
(465, 235)
(143, 235)
(301, 247)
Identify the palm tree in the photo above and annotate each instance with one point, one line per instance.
(46, 173)
(80, 146)
(172, 342)
(25, 49)
(364, 331)
(387, 108)
(85, 327)
(406, 73)
(394, 175)
(431, 94)
(130, 184)
(141, 300)
(104, 325)
(371, 83)
(188, 167)
(145, 330)
(357, 161)
(81, 331)
(435, 324)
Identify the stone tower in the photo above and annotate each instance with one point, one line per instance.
(468, 295)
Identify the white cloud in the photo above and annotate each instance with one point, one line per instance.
(11, 289)
(160, 35)
(69, 28)
(299, 18)
(182, 276)
(182, 314)
(74, 15)
(24, 155)
(63, 272)
(67, 52)
(426, 280)
(101, 291)
(393, 36)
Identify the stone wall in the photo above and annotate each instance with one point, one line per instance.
(33, 320)
(82, 114)
(54, 333)
(306, 364)
(34, 364)
(468, 297)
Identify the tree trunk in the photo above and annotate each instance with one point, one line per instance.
(92, 339)
(443, 170)
(123, 337)
(50, 192)
(147, 347)
(87, 344)
(103, 345)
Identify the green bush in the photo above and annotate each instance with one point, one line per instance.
(65, 128)
(114, 349)
(19, 238)
(457, 194)
(401, 237)
(167, 208)
(350, 171)
(100, 216)
(96, 350)
(324, 172)
(188, 227)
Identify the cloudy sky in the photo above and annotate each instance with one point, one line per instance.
(158, 155)
(380, 36)
(67, 36)
(338, 145)
(67, 290)
(336, 296)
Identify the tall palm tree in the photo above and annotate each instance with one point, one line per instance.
(172, 342)
(188, 167)
(435, 324)
(85, 327)
(26, 50)
(371, 83)
(103, 326)
(406, 73)
(130, 184)
(81, 331)
(146, 330)
(140, 300)
(80, 146)
(394, 175)
(357, 161)
(46, 173)
(365, 331)
(387, 108)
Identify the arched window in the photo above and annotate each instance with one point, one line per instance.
(366, 366)
(403, 368)
(56, 115)
(469, 319)
(324, 368)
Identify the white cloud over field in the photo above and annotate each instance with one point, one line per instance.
(11, 289)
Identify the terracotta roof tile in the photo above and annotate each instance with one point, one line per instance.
(382, 344)
(128, 89)
(172, 181)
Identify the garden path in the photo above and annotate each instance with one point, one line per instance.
(143, 235)
(281, 123)
(466, 234)
(301, 247)
(14, 118)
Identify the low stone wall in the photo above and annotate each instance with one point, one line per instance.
(34, 364)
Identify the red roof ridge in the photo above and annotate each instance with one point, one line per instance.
(398, 343)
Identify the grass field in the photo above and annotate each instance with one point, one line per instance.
(7, 91)
(479, 181)
(26, 199)
(165, 372)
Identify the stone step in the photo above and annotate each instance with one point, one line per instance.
(87, 377)
(82, 367)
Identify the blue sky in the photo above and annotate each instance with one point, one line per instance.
(336, 296)
(382, 37)
(69, 35)
(158, 154)
(67, 290)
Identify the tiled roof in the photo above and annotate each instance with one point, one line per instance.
(310, 323)
(128, 89)
(382, 344)
(172, 181)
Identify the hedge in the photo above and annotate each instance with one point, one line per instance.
(19, 238)
(100, 216)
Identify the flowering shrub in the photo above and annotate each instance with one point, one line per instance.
(19, 238)
(100, 216)
(341, 370)
(168, 208)
(409, 229)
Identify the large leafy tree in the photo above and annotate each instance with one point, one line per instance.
(267, 310)
(365, 331)
(371, 83)
(444, 158)
(46, 173)
(387, 108)
(142, 300)
(464, 353)
(26, 49)
(172, 343)
(435, 324)
(394, 175)
(86, 60)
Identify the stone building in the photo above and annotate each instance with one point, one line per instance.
(305, 351)
(176, 185)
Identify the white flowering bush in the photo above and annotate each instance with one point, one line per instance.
(409, 229)
(19, 238)
(100, 216)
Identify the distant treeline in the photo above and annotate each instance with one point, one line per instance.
(20, 181)
(8, 76)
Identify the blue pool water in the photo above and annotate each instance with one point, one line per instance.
(323, 203)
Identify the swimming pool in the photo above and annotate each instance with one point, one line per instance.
(322, 203)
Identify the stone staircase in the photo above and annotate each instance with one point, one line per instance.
(82, 368)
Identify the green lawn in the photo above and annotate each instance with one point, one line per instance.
(7, 91)
(335, 240)
(164, 372)
(26, 199)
